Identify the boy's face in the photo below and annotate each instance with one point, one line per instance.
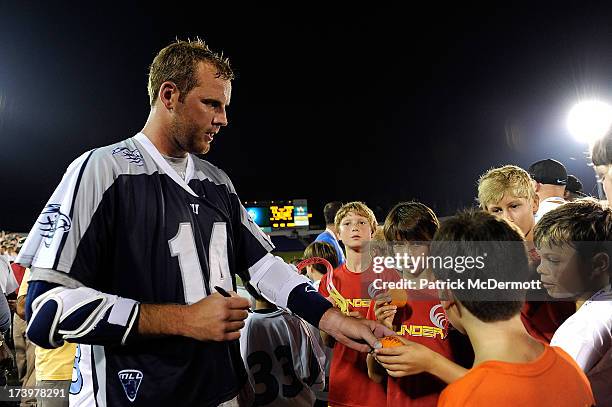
(355, 230)
(413, 251)
(562, 272)
(517, 210)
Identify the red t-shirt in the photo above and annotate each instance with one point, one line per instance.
(542, 318)
(18, 271)
(423, 321)
(349, 384)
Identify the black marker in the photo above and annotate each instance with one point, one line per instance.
(226, 294)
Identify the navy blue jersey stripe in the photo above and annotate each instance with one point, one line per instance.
(74, 195)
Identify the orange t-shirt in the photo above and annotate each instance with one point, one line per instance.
(553, 379)
(349, 384)
(421, 320)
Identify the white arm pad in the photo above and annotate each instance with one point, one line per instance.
(274, 279)
(72, 300)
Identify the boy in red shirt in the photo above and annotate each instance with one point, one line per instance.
(349, 381)
(408, 228)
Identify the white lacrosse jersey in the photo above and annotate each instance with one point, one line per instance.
(284, 358)
(587, 337)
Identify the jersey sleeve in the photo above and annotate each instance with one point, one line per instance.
(69, 241)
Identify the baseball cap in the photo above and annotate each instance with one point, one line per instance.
(574, 185)
(548, 171)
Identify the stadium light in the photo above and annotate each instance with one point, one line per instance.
(589, 120)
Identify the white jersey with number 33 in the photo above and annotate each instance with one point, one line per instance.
(284, 359)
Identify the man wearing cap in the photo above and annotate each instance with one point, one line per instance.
(573, 189)
(549, 181)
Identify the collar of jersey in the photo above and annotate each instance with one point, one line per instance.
(165, 167)
(268, 313)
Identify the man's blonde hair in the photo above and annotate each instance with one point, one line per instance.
(178, 63)
(358, 208)
(496, 182)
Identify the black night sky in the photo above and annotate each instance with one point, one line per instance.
(379, 105)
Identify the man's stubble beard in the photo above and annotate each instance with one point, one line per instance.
(184, 135)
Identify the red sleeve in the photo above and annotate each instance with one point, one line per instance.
(18, 271)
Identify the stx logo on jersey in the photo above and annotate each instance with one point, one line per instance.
(130, 380)
(51, 219)
(438, 317)
(132, 156)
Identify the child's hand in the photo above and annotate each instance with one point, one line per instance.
(409, 359)
(385, 312)
(375, 371)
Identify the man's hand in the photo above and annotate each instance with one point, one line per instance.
(353, 332)
(213, 318)
(355, 314)
(216, 318)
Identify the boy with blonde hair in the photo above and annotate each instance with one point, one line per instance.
(508, 192)
(574, 241)
(356, 225)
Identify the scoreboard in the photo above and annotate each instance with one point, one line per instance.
(279, 215)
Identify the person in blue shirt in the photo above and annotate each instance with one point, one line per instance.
(330, 233)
